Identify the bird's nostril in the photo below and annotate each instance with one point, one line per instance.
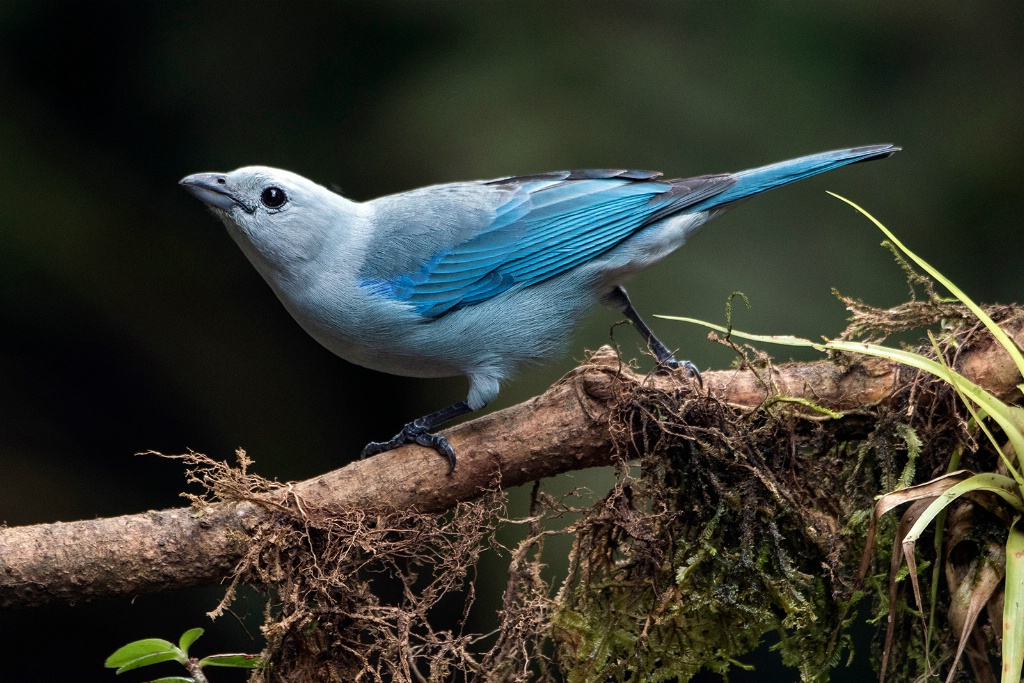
(220, 181)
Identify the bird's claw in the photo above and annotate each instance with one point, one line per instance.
(689, 368)
(413, 433)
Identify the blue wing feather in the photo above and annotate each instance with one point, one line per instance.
(553, 222)
(756, 180)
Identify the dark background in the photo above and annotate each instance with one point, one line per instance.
(131, 322)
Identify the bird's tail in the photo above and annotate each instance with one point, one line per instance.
(756, 180)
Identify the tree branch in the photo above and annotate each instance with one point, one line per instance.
(565, 428)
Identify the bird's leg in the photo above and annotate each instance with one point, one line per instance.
(418, 431)
(619, 300)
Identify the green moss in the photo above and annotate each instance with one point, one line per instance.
(722, 539)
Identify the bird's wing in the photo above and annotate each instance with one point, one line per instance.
(538, 227)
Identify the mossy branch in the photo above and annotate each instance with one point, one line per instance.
(564, 429)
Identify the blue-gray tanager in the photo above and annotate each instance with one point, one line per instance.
(475, 278)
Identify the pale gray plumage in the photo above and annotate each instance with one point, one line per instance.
(474, 278)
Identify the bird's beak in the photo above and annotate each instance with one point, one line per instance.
(212, 189)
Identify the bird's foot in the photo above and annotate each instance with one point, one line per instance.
(414, 432)
(689, 368)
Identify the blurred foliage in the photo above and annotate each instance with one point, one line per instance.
(131, 322)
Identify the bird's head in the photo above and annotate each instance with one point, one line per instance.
(279, 219)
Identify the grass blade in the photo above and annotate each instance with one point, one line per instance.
(1013, 606)
(997, 332)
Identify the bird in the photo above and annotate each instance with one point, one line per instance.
(474, 278)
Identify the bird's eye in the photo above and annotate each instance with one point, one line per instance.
(273, 197)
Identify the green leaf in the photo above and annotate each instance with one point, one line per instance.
(1011, 422)
(1007, 416)
(997, 332)
(238, 661)
(147, 660)
(1013, 606)
(143, 653)
(1002, 486)
(174, 679)
(188, 637)
(784, 339)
